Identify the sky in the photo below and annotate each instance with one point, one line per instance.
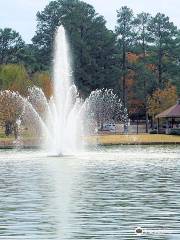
(20, 15)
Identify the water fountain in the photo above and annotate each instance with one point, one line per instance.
(56, 120)
(60, 121)
(65, 104)
(103, 107)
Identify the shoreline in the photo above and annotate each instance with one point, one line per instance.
(133, 139)
(104, 139)
(26, 144)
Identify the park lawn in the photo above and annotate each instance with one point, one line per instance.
(113, 139)
(3, 137)
(26, 135)
(109, 139)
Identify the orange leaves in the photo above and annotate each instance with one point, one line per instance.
(135, 105)
(130, 79)
(162, 99)
(132, 57)
(43, 81)
(151, 67)
(133, 102)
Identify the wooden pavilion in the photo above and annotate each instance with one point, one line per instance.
(172, 116)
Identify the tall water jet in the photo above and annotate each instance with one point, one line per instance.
(65, 103)
(62, 120)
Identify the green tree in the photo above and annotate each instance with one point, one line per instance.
(163, 32)
(142, 22)
(14, 77)
(94, 48)
(11, 46)
(172, 60)
(30, 59)
(144, 77)
(125, 36)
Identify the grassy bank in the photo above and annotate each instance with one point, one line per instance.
(108, 139)
(133, 139)
(9, 141)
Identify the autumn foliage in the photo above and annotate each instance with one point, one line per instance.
(135, 103)
(14, 83)
(43, 80)
(162, 99)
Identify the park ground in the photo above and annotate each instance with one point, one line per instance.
(101, 139)
(115, 139)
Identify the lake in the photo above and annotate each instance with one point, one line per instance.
(104, 193)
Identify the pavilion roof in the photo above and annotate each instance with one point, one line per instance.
(172, 112)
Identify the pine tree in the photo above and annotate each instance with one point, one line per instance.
(94, 51)
(162, 34)
(125, 34)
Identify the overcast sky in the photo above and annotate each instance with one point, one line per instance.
(21, 14)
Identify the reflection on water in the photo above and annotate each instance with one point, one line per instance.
(95, 195)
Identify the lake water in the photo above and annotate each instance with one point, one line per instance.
(102, 194)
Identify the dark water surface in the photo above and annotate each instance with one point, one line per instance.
(94, 195)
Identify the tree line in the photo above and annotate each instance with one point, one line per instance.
(137, 60)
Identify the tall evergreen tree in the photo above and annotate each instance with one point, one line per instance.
(93, 45)
(162, 33)
(141, 22)
(125, 34)
(143, 74)
(172, 62)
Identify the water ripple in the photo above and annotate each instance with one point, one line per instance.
(96, 195)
